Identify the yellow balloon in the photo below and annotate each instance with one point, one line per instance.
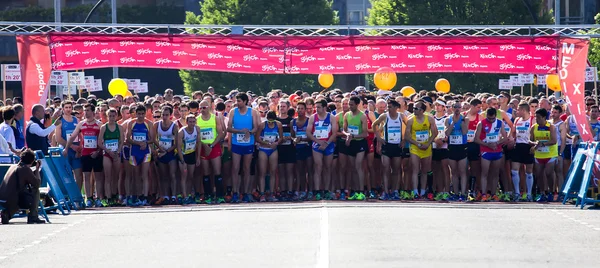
(128, 93)
(385, 78)
(553, 82)
(442, 85)
(117, 86)
(325, 80)
(407, 91)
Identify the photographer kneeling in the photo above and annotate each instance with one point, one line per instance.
(20, 189)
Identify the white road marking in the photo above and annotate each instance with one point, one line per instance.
(2, 257)
(19, 249)
(36, 242)
(323, 258)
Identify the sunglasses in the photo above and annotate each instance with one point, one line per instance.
(203, 107)
(262, 112)
(156, 116)
(416, 109)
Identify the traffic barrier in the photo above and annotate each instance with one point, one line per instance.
(64, 174)
(55, 190)
(581, 175)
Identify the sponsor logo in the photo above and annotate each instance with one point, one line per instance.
(71, 53)
(58, 64)
(434, 48)
(326, 67)
(524, 57)
(400, 47)
(554, 57)
(179, 53)
(362, 48)
(488, 56)
(144, 51)
(449, 56)
(416, 56)
(343, 57)
(470, 65)
(233, 48)
(398, 65)
(55, 45)
(163, 44)
(542, 67)
(380, 56)
(292, 69)
(269, 68)
(126, 43)
(507, 47)
(473, 47)
(543, 48)
(507, 66)
(307, 59)
(198, 46)
(250, 57)
(91, 61)
(326, 49)
(233, 65)
(106, 51)
(90, 43)
(127, 60)
(269, 50)
(291, 50)
(215, 56)
(199, 63)
(163, 61)
(41, 80)
(362, 66)
(434, 65)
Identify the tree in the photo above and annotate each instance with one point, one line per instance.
(256, 12)
(456, 12)
(594, 49)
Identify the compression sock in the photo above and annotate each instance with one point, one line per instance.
(207, 187)
(472, 183)
(219, 185)
(430, 181)
(516, 180)
(529, 182)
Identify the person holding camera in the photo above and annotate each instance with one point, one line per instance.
(20, 189)
(36, 131)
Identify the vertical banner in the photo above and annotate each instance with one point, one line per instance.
(571, 70)
(34, 57)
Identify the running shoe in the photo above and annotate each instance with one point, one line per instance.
(337, 195)
(383, 196)
(525, 197)
(198, 198)
(327, 196)
(318, 196)
(556, 197)
(104, 202)
(495, 198)
(180, 199)
(227, 198)
(541, 198)
(255, 196)
(309, 196)
(360, 196)
(220, 200)
(478, 197)
(342, 196)
(302, 196)
(98, 203)
(272, 198)
(372, 195)
(353, 196)
(445, 196)
(396, 195)
(438, 197)
(235, 199)
(208, 200)
(529, 198)
(159, 201)
(89, 203)
(430, 196)
(246, 198)
(191, 200)
(460, 198)
(550, 197)
(262, 198)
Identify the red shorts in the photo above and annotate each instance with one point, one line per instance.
(214, 153)
(370, 145)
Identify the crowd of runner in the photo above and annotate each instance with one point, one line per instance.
(334, 145)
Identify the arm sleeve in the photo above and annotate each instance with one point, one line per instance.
(37, 130)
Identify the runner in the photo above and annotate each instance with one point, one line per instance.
(490, 136)
(141, 136)
(473, 150)
(189, 144)
(212, 132)
(391, 147)
(356, 130)
(545, 151)
(441, 168)
(63, 133)
(166, 132)
(303, 150)
(286, 153)
(110, 140)
(456, 128)
(561, 136)
(522, 152)
(269, 136)
(90, 156)
(320, 131)
(342, 173)
(420, 133)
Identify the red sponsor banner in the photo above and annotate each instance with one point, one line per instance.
(306, 55)
(571, 70)
(34, 57)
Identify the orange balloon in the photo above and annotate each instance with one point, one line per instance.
(128, 93)
(553, 82)
(407, 91)
(325, 80)
(442, 85)
(385, 78)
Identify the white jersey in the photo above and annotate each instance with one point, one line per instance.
(558, 138)
(393, 129)
(189, 141)
(165, 137)
(522, 130)
(440, 123)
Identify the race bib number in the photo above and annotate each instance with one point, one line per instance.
(523, 133)
(270, 137)
(137, 136)
(422, 136)
(241, 138)
(206, 134)
(287, 135)
(543, 149)
(322, 132)
(456, 139)
(190, 145)
(68, 135)
(470, 135)
(441, 132)
(394, 135)
(353, 130)
(165, 142)
(301, 135)
(112, 145)
(491, 137)
(90, 142)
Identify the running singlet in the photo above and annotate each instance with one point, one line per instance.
(456, 135)
(111, 138)
(355, 124)
(522, 130)
(393, 129)
(285, 125)
(472, 129)
(322, 129)
(572, 128)
(542, 134)
(269, 134)
(440, 123)
(300, 132)
(67, 129)
(189, 141)
(165, 137)
(420, 131)
(490, 132)
(140, 133)
(558, 138)
(208, 129)
(596, 128)
(242, 122)
(371, 135)
(90, 132)
(340, 125)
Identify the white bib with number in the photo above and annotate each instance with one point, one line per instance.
(456, 139)
(206, 134)
(394, 135)
(543, 149)
(68, 135)
(241, 138)
(491, 137)
(165, 142)
(139, 136)
(190, 145)
(270, 136)
(322, 132)
(111, 145)
(422, 135)
(287, 135)
(471, 135)
(301, 135)
(90, 142)
(353, 130)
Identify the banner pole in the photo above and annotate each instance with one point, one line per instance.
(596, 86)
(69, 86)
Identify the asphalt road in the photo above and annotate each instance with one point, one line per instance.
(310, 235)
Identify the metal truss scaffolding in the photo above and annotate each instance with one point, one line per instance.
(593, 31)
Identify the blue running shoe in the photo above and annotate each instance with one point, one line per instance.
(246, 198)
(550, 197)
(396, 196)
(235, 198)
(383, 196)
(343, 196)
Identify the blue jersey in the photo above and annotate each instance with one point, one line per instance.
(140, 133)
(242, 122)
(300, 132)
(456, 136)
(67, 128)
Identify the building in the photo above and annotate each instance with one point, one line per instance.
(352, 12)
(575, 11)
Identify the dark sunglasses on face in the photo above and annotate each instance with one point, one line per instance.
(156, 116)
(203, 107)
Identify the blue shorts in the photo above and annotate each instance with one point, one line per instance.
(491, 156)
(125, 153)
(269, 152)
(567, 153)
(303, 152)
(74, 162)
(242, 149)
(137, 159)
(165, 159)
(328, 151)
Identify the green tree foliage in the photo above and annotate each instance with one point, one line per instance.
(456, 12)
(594, 49)
(254, 12)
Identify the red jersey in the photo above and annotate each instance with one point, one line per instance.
(90, 132)
(490, 132)
(472, 127)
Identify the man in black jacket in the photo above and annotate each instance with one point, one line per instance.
(36, 135)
